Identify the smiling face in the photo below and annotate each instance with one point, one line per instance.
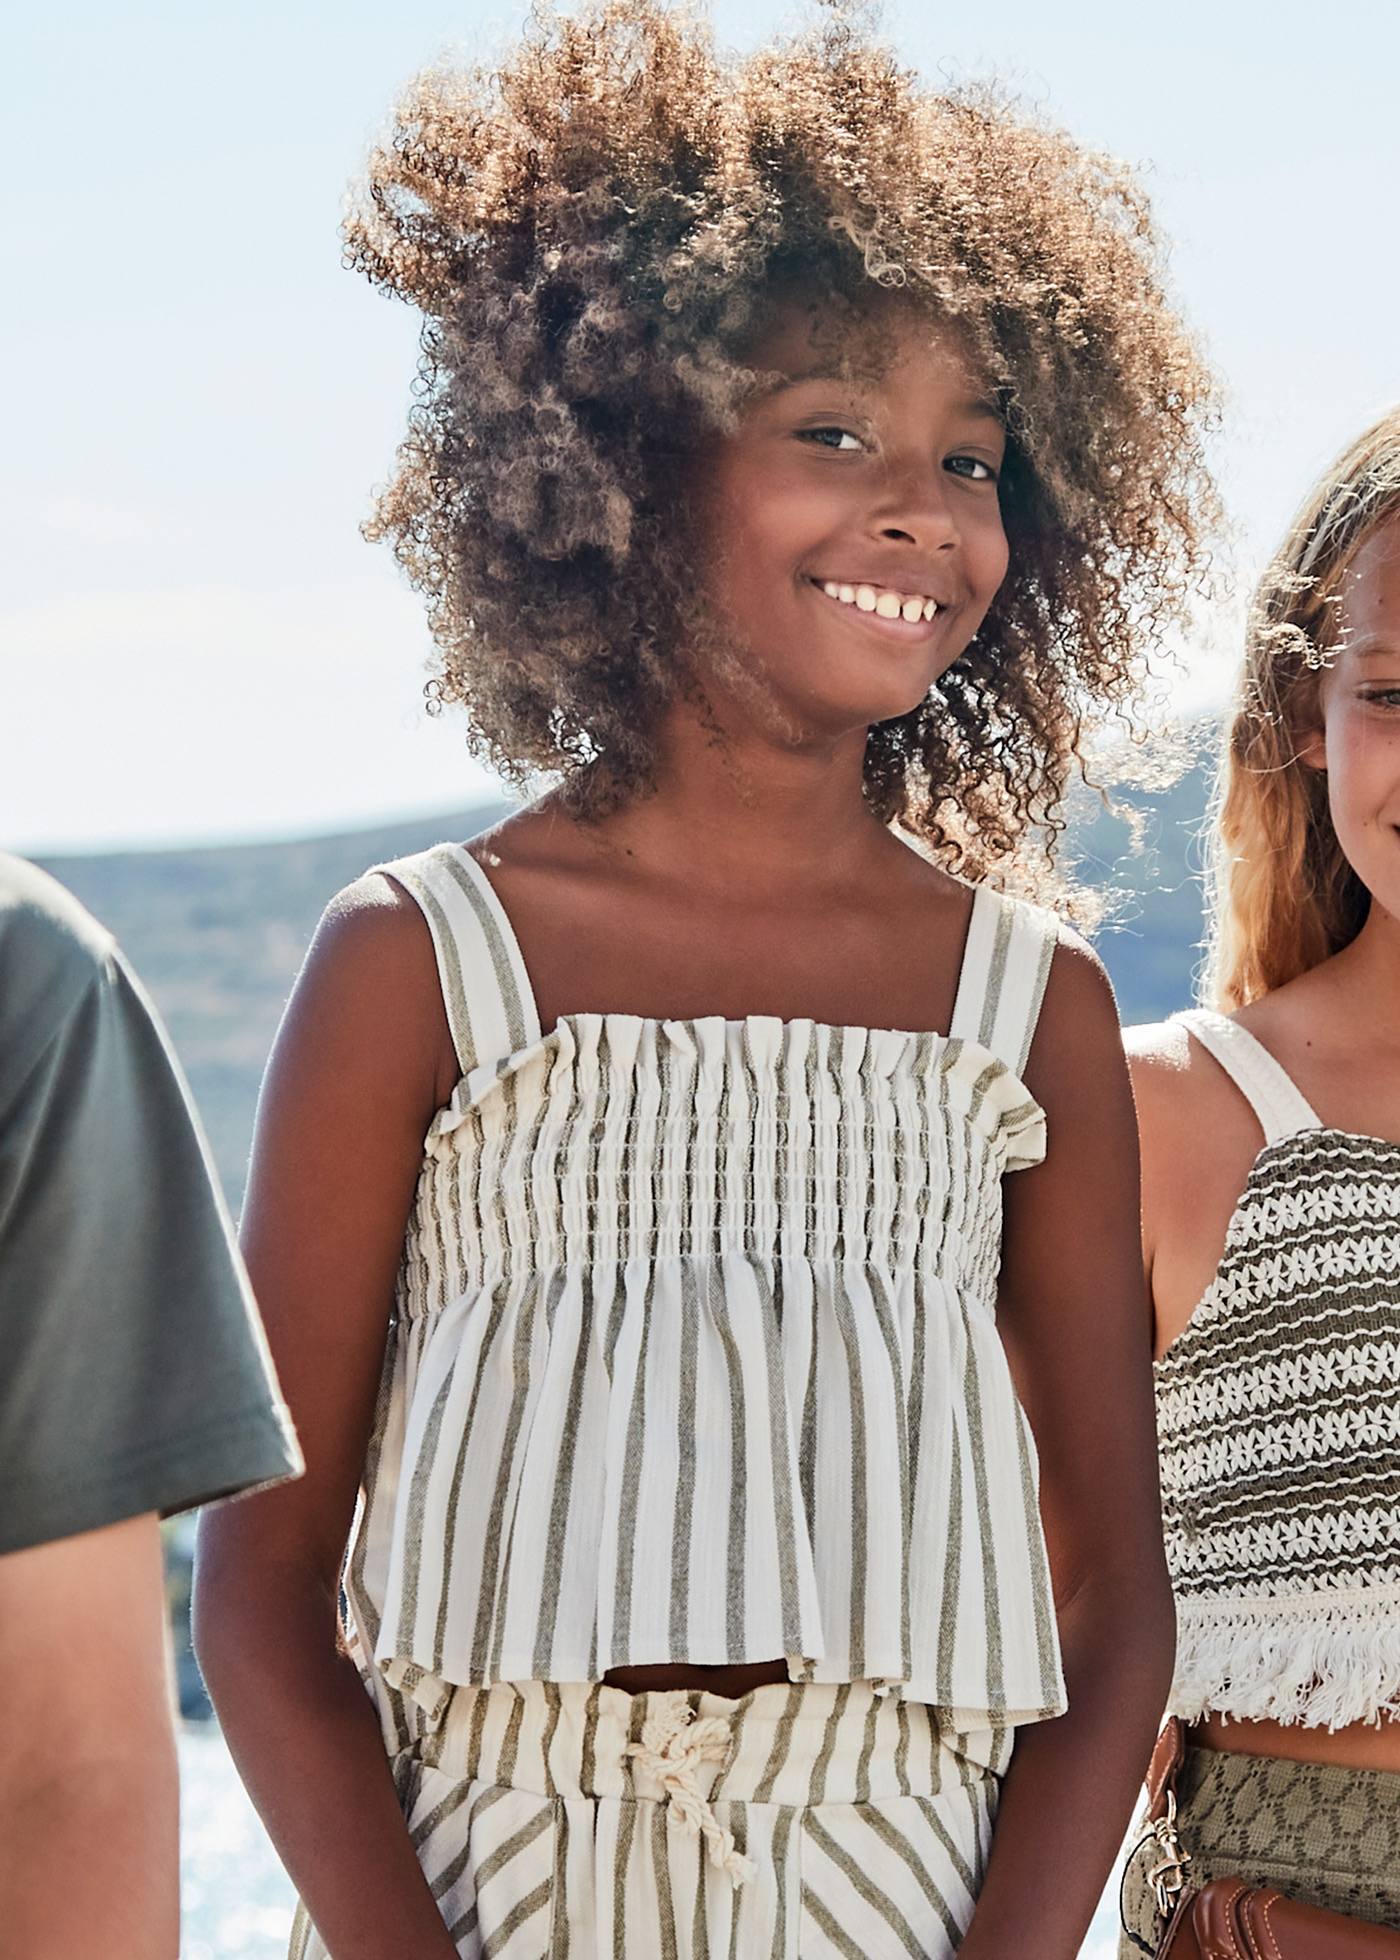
(1357, 740)
(852, 526)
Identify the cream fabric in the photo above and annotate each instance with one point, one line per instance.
(695, 1356)
(845, 1823)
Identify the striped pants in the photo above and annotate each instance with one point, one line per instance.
(583, 1823)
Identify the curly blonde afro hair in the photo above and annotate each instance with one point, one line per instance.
(595, 233)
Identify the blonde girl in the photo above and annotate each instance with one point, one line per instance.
(744, 1491)
(1271, 1165)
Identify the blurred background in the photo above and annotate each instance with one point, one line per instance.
(211, 688)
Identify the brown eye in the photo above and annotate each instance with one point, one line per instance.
(971, 467)
(831, 438)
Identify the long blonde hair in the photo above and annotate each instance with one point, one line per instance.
(1284, 896)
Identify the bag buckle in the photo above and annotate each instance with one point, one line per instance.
(1168, 1876)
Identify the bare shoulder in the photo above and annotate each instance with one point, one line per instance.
(369, 991)
(1078, 1015)
(373, 936)
(1178, 1085)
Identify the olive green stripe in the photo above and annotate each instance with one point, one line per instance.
(524, 1909)
(901, 1747)
(738, 1819)
(665, 1904)
(559, 1940)
(554, 1702)
(996, 970)
(490, 917)
(1044, 954)
(952, 1573)
(841, 1941)
(860, 1470)
(782, 1831)
(867, 1750)
(443, 1881)
(552, 1577)
(1041, 1597)
(972, 1399)
(587, 1769)
(626, 1825)
(685, 1478)
(782, 1745)
(816, 1789)
(415, 1536)
(885, 1318)
(426, 1827)
(876, 1898)
(495, 1517)
(416, 1509)
(633, 1457)
(449, 963)
(889, 1834)
(785, 1522)
(929, 1811)
(737, 1571)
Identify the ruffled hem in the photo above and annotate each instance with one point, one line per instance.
(1322, 1660)
(710, 1462)
(432, 1695)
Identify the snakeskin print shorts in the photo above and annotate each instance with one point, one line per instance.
(1327, 1836)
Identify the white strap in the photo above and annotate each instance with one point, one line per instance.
(1265, 1084)
(485, 987)
(1006, 964)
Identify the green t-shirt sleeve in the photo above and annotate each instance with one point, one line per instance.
(135, 1375)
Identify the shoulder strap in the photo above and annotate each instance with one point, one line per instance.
(485, 988)
(1264, 1083)
(1006, 964)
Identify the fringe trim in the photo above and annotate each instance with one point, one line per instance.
(1324, 1661)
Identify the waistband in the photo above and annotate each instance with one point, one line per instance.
(804, 1743)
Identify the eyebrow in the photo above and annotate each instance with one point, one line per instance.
(975, 405)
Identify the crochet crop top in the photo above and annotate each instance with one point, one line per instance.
(695, 1355)
(1278, 1414)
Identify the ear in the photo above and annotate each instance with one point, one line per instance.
(1310, 747)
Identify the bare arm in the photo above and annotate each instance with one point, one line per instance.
(88, 1784)
(1077, 1328)
(362, 1060)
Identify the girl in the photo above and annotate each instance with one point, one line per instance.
(1279, 1359)
(795, 455)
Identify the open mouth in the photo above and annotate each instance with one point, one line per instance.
(882, 601)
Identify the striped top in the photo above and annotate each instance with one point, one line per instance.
(1278, 1412)
(694, 1356)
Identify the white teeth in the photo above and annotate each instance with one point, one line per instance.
(882, 601)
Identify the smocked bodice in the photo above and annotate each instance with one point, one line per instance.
(1278, 1413)
(695, 1356)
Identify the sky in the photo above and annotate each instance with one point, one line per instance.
(197, 400)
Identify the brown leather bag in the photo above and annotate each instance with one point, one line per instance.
(1228, 1919)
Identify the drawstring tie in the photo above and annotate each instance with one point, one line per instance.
(672, 1749)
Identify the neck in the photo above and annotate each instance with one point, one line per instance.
(745, 810)
(1366, 977)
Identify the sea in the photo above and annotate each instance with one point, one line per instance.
(237, 1900)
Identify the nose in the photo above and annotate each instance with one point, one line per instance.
(914, 507)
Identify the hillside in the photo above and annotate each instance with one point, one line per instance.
(217, 934)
